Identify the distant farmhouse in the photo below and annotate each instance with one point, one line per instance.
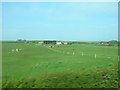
(52, 43)
(49, 42)
(65, 43)
(40, 43)
(58, 43)
(104, 43)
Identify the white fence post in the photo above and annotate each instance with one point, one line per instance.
(95, 55)
(73, 53)
(82, 53)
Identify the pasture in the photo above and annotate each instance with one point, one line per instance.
(28, 65)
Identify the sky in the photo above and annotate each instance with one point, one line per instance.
(67, 21)
(0, 22)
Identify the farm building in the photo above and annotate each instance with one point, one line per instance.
(40, 43)
(65, 43)
(58, 43)
(53, 43)
(104, 43)
(49, 42)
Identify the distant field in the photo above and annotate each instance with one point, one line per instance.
(39, 66)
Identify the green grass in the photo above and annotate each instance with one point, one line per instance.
(39, 66)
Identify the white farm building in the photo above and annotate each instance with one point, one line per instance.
(58, 43)
(40, 43)
(65, 43)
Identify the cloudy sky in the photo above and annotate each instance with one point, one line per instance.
(81, 21)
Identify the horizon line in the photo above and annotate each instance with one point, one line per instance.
(64, 40)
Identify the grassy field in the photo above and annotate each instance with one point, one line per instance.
(62, 66)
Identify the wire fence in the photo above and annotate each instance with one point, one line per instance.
(82, 53)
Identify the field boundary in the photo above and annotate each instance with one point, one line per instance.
(95, 55)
